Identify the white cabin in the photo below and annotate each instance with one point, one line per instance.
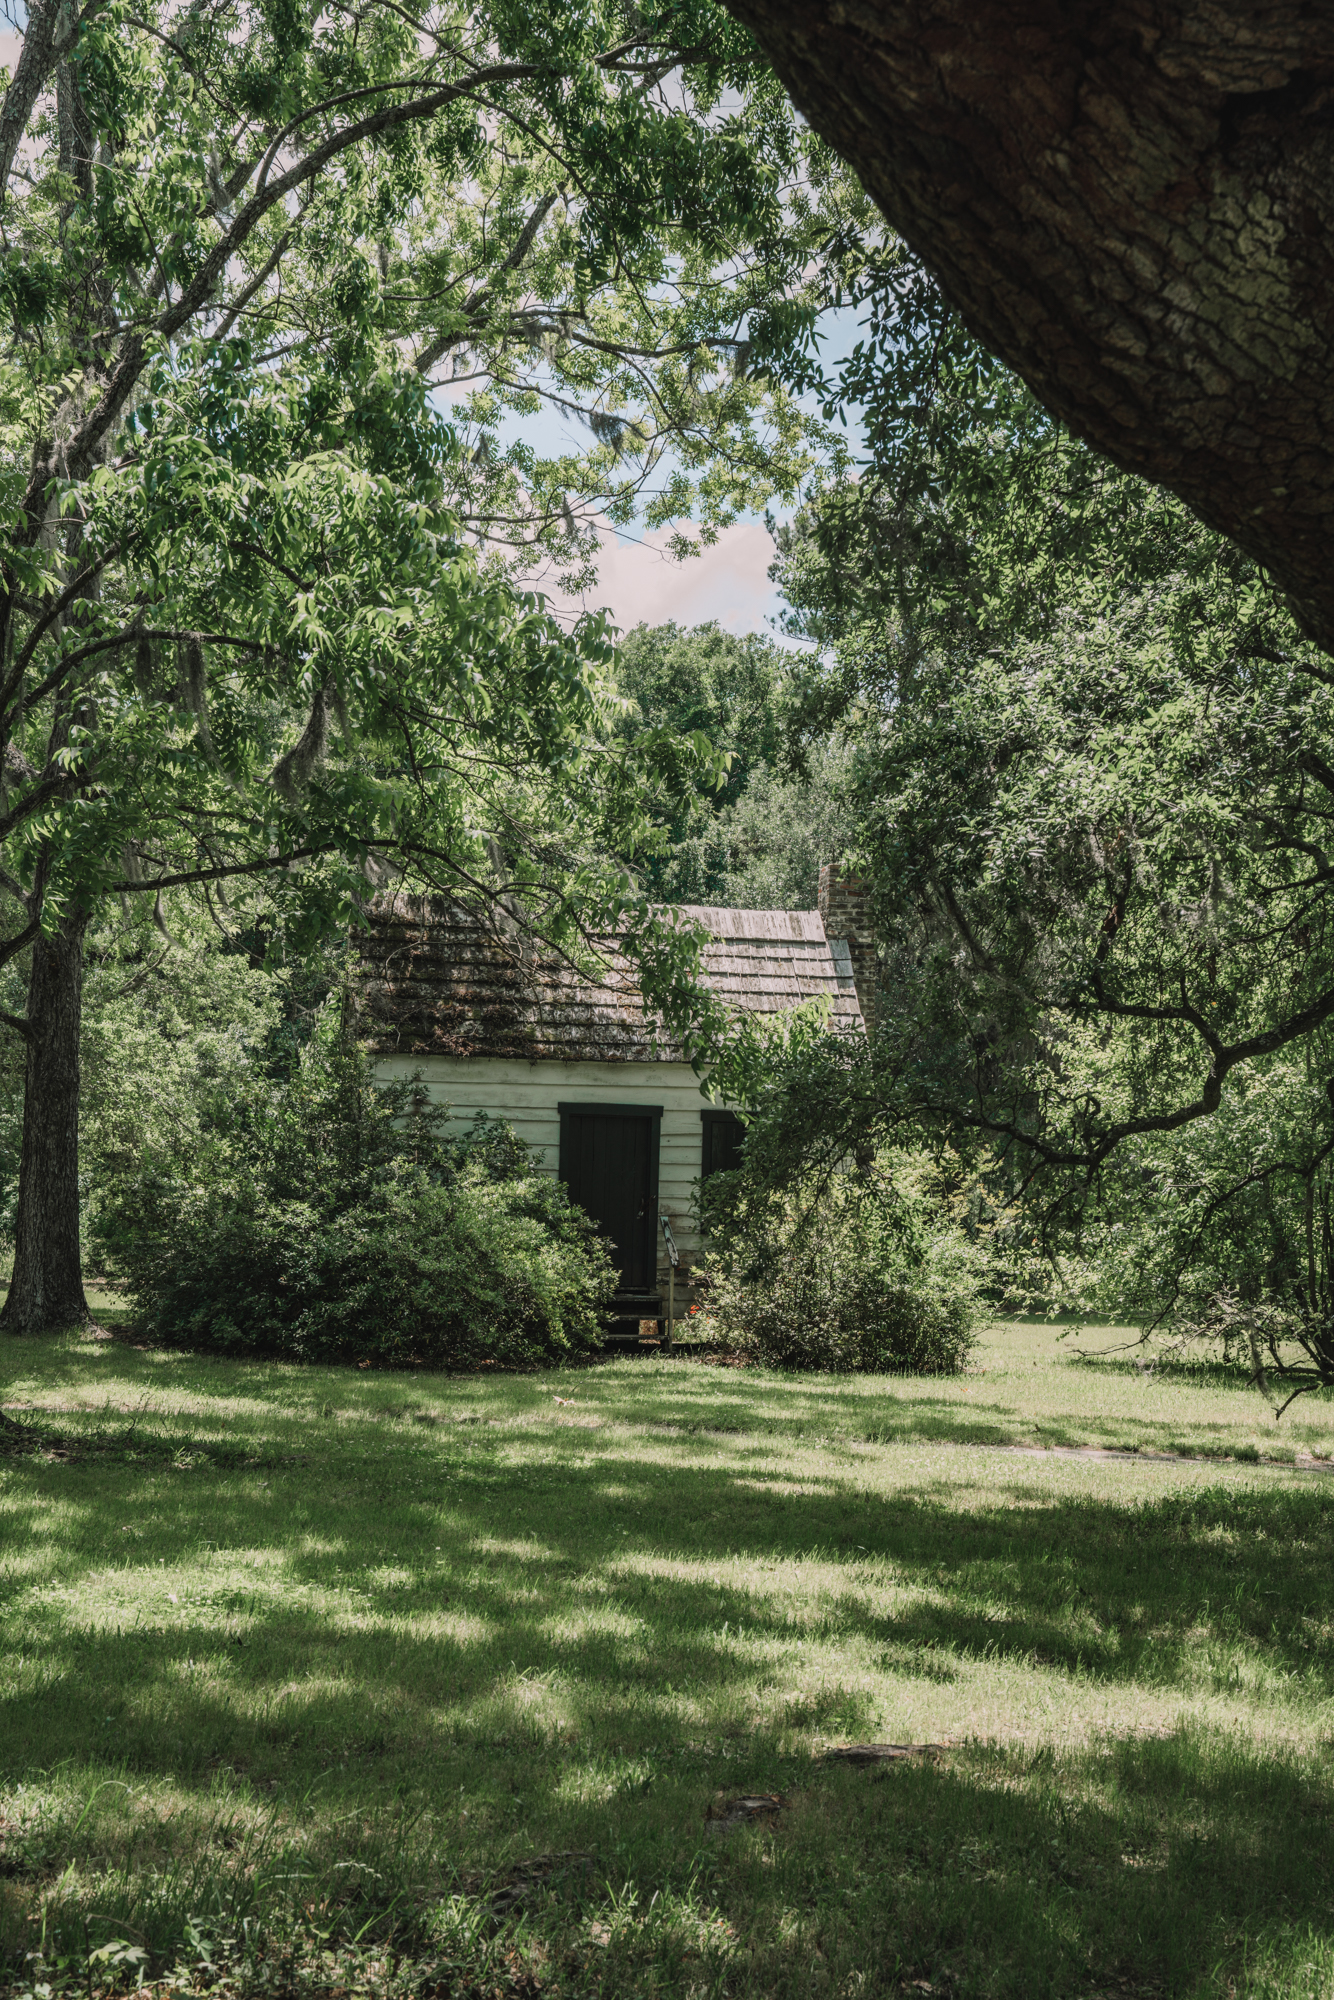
(581, 1070)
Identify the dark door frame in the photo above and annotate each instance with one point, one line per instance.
(653, 1112)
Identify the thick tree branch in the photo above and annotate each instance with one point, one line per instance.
(1088, 185)
(52, 28)
(43, 794)
(11, 947)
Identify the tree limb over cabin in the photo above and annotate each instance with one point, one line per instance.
(580, 1068)
(1131, 204)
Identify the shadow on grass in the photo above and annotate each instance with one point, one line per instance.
(1129, 1592)
(512, 1616)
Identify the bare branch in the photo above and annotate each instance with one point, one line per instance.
(260, 279)
(222, 871)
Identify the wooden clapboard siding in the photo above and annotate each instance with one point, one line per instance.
(501, 1024)
(526, 1095)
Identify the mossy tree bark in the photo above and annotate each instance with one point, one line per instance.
(46, 1289)
(1132, 202)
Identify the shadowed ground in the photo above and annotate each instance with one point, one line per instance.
(281, 1642)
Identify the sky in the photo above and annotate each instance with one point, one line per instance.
(638, 583)
(728, 583)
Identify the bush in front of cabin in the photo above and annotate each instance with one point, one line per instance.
(446, 1274)
(861, 1270)
(330, 1218)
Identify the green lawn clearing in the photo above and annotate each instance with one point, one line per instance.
(323, 1680)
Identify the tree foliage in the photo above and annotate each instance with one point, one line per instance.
(258, 607)
(241, 247)
(757, 840)
(1093, 792)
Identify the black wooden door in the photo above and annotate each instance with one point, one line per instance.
(609, 1163)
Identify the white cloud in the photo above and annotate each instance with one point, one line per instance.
(639, 583)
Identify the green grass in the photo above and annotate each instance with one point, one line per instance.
(293, 1658)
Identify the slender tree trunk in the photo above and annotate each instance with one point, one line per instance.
(46, 1289)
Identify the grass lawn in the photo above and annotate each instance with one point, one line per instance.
(306, 1674)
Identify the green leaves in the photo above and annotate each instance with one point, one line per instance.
(1094, 798)
(280, 295)
(27, 290)
(321, 686)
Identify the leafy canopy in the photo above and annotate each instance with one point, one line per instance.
(253, 586)
(1093, 794)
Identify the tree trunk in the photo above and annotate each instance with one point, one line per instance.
(1130, 201)
(46, 1289)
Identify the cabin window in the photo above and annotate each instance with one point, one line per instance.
(723, 1134)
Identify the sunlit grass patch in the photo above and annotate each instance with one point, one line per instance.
(278, 1641)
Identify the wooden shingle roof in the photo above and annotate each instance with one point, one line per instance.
(433, 979)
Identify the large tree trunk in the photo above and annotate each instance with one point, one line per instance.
(1132, 202)
(46, 1289)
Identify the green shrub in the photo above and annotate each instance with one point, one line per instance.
(328, 1218)
(844, 1322)
(860, 1271)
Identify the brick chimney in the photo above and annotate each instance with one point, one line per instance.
(845, 906)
